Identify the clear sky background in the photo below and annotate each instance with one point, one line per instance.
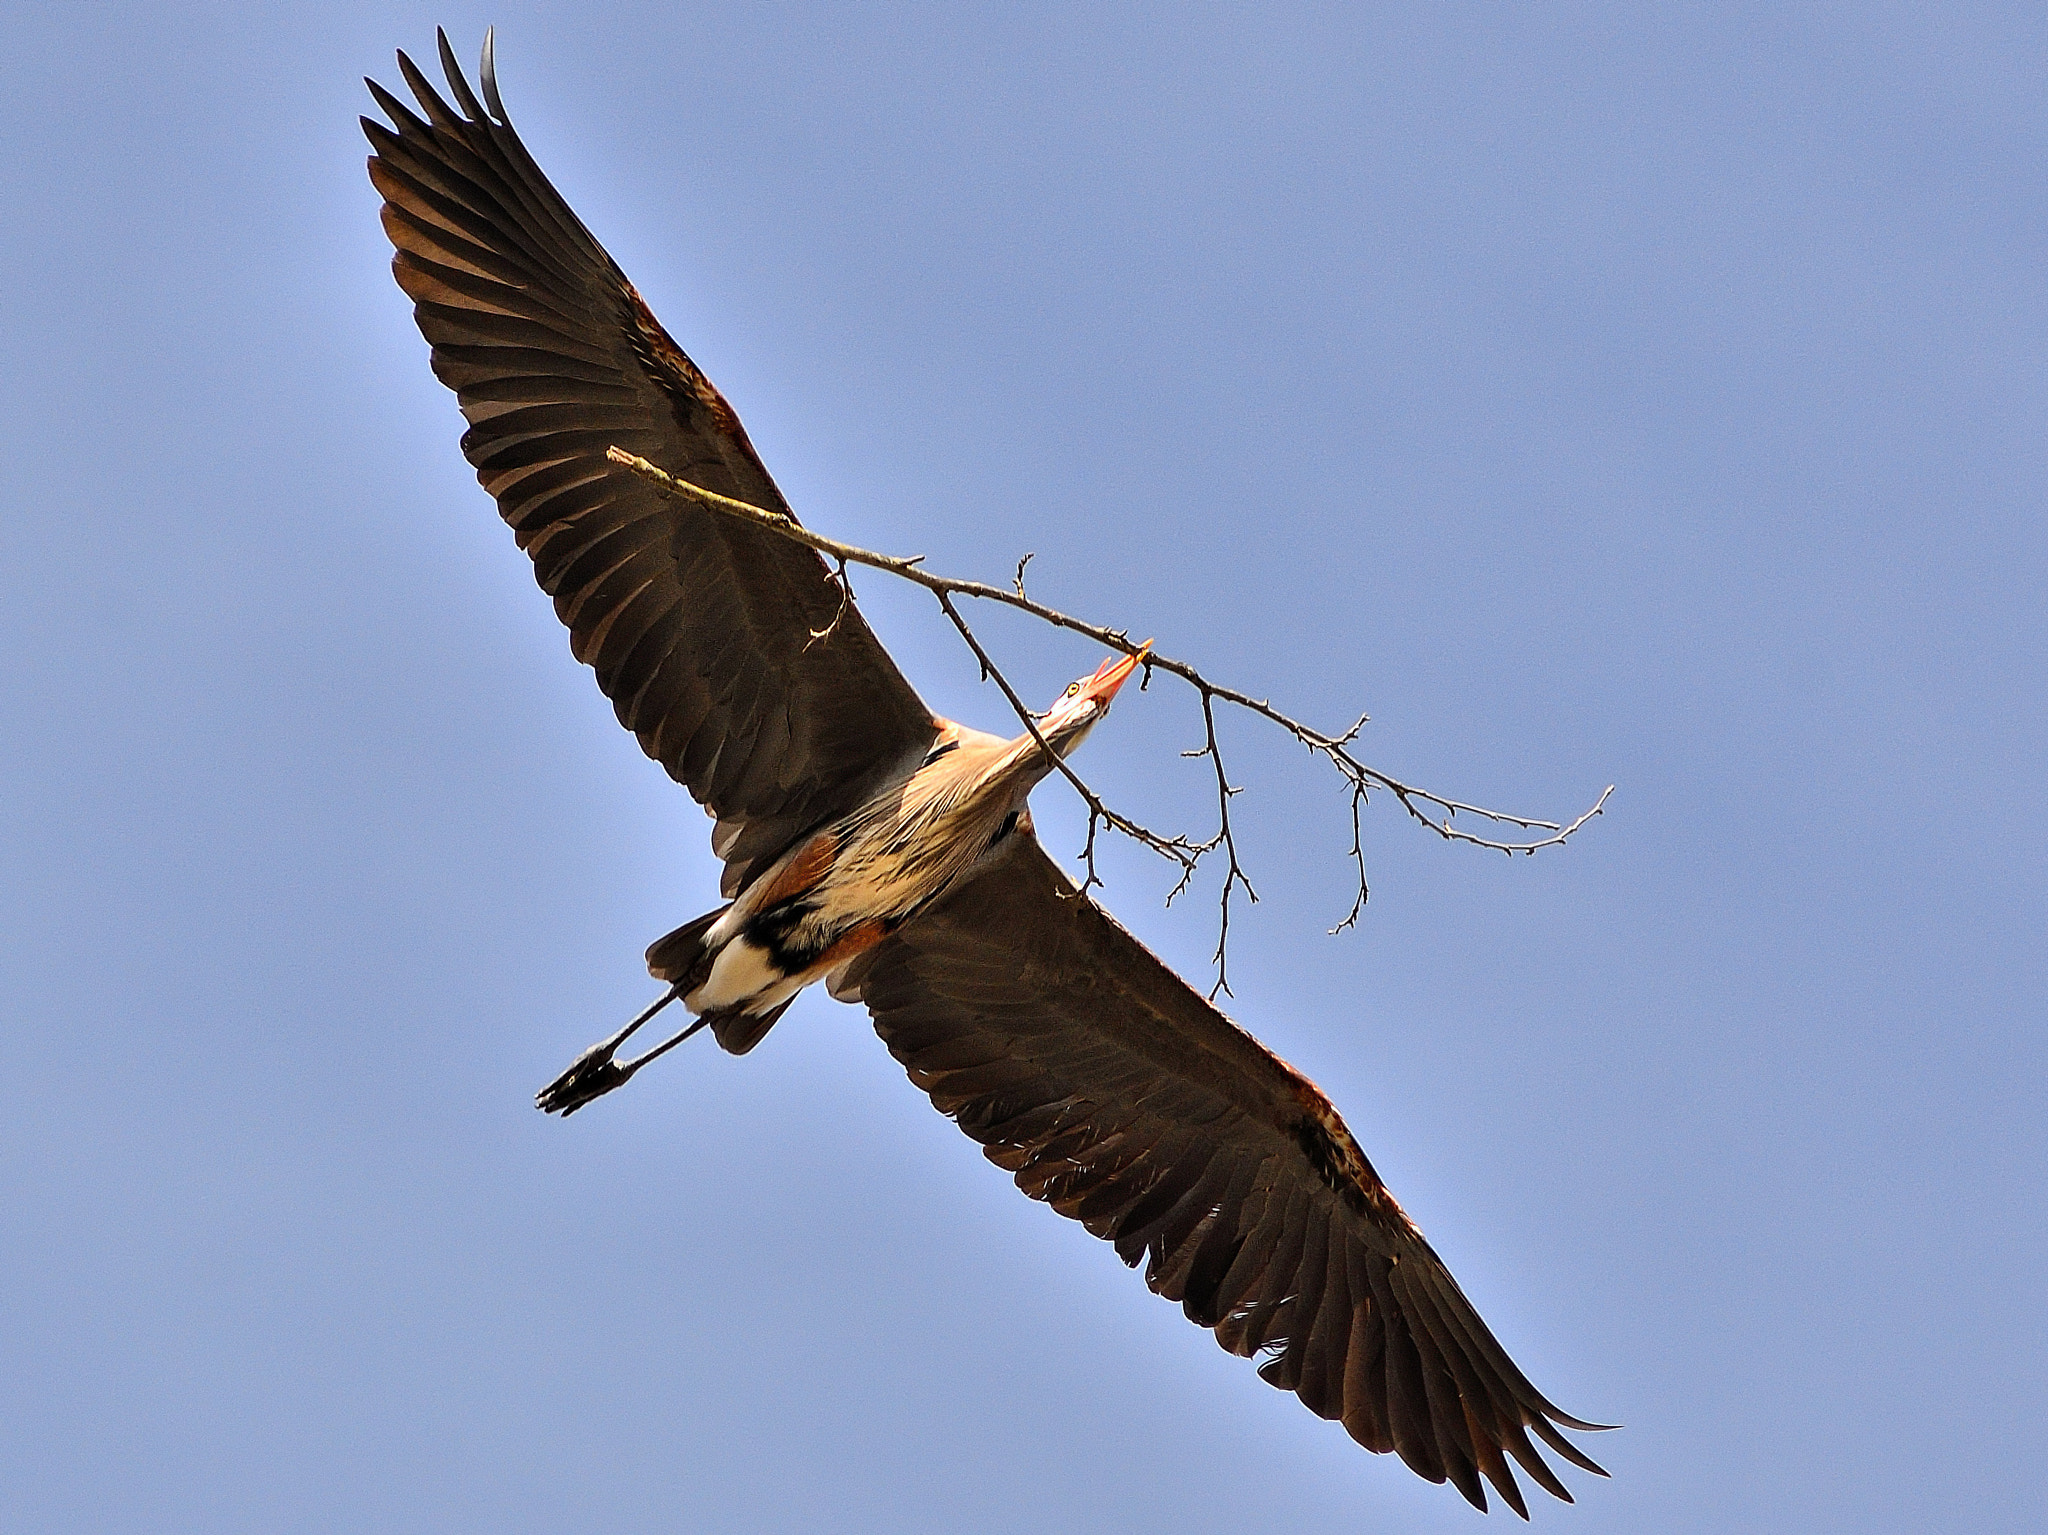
(1593, 393)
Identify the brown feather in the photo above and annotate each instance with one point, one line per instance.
(1085, 1068)
(699, 627)
(1133, 1105)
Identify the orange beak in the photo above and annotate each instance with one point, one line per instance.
(1112, 674)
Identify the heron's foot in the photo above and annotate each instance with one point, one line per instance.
(591, 1075)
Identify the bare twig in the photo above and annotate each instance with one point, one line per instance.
(1233, 874)
(1182, 850)
(1358, 857)
(1177, 849)
(845, 584)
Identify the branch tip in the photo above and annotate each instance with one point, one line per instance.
(1179, 849)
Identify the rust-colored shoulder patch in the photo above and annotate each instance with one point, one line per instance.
(856, 940)
(802, 872)
(671, 365)
(1326, 1141)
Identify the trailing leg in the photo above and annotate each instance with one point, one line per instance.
(594, 1072)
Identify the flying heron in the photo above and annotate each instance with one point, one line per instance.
(890, 853)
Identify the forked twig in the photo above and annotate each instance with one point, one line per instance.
(1180, 849)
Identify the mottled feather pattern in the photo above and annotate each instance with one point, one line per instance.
(890, 857)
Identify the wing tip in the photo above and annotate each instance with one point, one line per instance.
(1564, 1419)
(487, 77)
(1548, 1433)
(458, 83)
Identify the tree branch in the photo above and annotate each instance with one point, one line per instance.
(1232, 875)
(1178, 849)
(1182, 850)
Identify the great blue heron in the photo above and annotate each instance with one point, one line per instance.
(871, 844)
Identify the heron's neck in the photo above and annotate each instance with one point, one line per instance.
(1024, 762)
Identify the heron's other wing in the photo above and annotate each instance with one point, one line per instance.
(1115, 1093)
(699, 626)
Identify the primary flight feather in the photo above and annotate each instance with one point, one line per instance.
(890, 853)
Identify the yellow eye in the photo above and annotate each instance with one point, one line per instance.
(1073, 688)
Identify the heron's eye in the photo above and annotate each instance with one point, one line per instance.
(1073, 688)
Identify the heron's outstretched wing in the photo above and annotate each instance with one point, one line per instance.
(699, 626)
(1118, 1095)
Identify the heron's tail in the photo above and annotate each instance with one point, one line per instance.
(738, 1031)
(681, 957)
(684, 959)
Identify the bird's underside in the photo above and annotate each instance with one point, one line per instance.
(1084, 1067)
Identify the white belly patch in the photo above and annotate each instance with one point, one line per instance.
(741, 973)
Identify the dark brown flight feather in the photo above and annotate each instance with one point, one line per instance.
(1111, 1089)
(1102, 1082)
(699, 627)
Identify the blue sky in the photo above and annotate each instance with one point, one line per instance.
(1593, 394)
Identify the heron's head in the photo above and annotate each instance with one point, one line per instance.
(1085, 701)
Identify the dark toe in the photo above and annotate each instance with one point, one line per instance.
(578, 1085)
